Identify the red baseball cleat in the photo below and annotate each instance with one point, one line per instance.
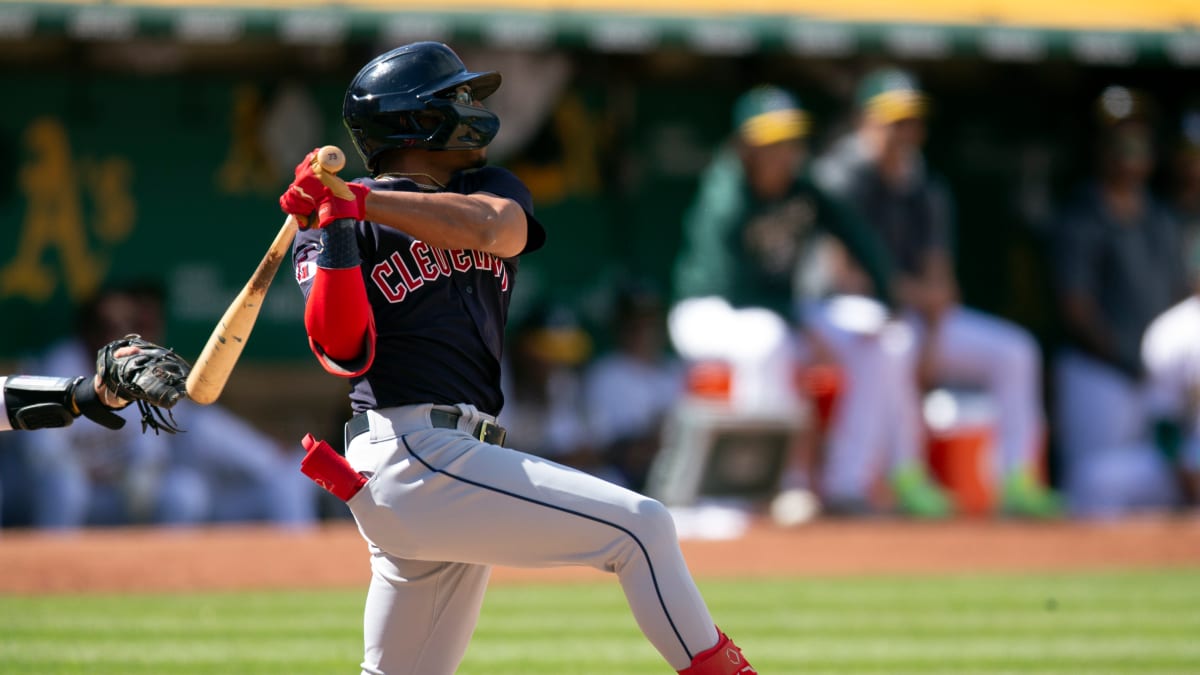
(724, 658)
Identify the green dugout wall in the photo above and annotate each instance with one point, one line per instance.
(131, 157)
(115, 178)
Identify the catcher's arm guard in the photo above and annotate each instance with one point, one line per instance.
(36, 402)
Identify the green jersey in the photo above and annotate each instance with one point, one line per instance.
(767, 253)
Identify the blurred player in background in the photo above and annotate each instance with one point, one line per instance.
(240, 474)
(220, 470)
(543, 389)
(1171, 354)
(1171, 345)
(630, 389)
(765, 251)
(86, 475)
(881, 171)
(1118, 264)
(1185, 197)
(245, 475)
(32, 402)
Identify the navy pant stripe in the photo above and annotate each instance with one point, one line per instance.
(649, 562)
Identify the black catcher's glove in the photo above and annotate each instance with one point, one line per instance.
(155, 377)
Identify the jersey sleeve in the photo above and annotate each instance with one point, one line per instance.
(305, 248)
(706, 265)
(504, 183)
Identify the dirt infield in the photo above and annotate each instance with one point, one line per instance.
(231, 558)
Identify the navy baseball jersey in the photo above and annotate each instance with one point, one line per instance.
(439, 314)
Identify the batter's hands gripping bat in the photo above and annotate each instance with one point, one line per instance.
(212, 368)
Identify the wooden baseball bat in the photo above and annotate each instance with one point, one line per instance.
(212, 368)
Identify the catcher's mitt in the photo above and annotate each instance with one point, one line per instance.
(154, 377)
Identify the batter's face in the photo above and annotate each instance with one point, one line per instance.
(771, 169)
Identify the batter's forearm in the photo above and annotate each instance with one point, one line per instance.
(479, 222)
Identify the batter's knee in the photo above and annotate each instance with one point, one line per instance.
(655, 527)
(655, 519)
(648, 528)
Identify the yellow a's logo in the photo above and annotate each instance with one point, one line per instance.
(53, 185)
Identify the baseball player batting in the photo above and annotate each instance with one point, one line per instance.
(407, 289)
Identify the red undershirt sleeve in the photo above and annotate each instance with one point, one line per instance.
(337, 315)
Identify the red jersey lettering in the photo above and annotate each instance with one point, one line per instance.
(461, 260)
(423, 254)
(381, 275)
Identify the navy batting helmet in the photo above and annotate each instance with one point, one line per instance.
(408, 98)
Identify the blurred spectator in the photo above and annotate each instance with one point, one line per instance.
(880, 169)
(1185, 198)
(246, 475)
(88, 475)
(1171, 345)
(543, 390)
(629, 391)
(1118, 266)
(1171, 353)
(218, 468)
(763, 249)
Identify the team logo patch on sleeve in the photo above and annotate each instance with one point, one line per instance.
(305, 271)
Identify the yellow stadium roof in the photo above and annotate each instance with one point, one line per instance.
(1110, 32)
(1122, 15)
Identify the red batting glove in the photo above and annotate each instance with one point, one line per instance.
(306, 191)
(332, 208)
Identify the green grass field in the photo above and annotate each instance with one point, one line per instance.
(1137, 622)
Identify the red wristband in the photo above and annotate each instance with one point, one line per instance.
(333, 208)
